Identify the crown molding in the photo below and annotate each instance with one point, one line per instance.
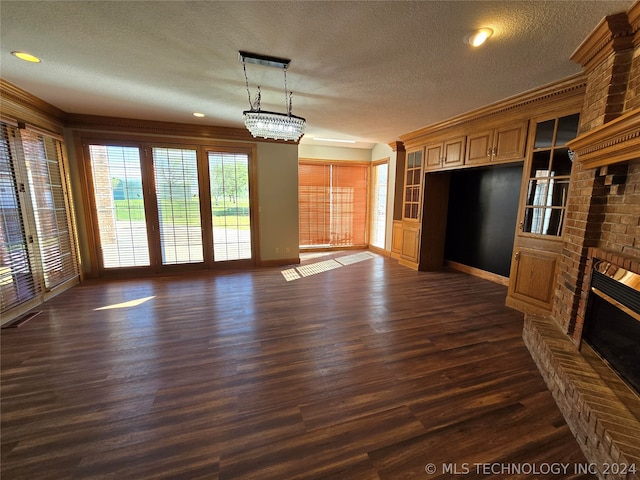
(26, 108)
(614, 142)
(612, 35)
(96, 123)
(397, 146)
(566, 90)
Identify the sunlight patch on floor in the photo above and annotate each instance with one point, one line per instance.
(324, 266)
(355, 258)
(128, 304)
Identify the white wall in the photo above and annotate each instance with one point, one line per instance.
(277, 166)
(322, 152)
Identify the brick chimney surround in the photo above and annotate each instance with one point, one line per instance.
(602, 223)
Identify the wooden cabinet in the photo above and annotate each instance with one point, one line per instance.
(412, 185)
(445, 154)
(409, 240)
(410, 244)
(537, 247)
(503, 144)
(532, 280)
(396, 239)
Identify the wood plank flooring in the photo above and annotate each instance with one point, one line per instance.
(367, 371)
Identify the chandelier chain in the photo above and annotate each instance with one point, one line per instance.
(285, 92)
(255, 106)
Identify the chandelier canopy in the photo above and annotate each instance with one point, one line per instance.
(261, 123)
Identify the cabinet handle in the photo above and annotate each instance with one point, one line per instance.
(517, 257)
(521, 226)
(488, 152)
(495, 151)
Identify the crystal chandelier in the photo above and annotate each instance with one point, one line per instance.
(261, 123)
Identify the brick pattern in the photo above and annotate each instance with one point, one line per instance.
(633, 87)
(581, 232)
(605, 428)
(620, 230)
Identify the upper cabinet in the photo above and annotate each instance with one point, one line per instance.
(445, 154)
(503, 144)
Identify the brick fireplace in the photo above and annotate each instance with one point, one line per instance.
(602, 223)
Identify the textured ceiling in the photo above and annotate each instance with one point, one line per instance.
(367, 71)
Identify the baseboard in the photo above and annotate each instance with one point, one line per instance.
(279, 262)
(476, 272)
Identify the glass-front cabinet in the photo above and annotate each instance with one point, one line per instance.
(549, 174)
(545, 189)
(412, 183)
(410, 250)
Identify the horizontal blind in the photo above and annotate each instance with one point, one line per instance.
(349, 205)
(178, 199)
(17, 284)
(230, 205)
(314, 199)
(55, 241)
(332, 204)
(119, 203)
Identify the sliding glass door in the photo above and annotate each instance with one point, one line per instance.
(17, 284)
(119, 206)
(332, 204)
(178, 201)
(379, 174)
(37, 243)
(230, 205)
(157, 206)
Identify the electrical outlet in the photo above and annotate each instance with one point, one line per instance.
(277, 250)
(286, 250)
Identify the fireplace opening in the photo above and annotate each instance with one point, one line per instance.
(612, 320)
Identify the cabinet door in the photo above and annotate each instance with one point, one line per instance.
(396, 239)
(412, 185)
(479, 147)
(433, 157)
(410, 244)
(532, 282)
(454, 152)
(509, 143)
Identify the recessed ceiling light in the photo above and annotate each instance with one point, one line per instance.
(478, 37)
(334, 140)
(27, 57)
(198, 114)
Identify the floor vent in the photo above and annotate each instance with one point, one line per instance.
(21, 320)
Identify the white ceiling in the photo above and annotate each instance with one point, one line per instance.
(363, 70)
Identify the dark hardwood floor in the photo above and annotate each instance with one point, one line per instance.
(368, 371)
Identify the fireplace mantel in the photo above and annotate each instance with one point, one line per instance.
(614, 142)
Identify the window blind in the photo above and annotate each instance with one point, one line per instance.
(55, 241)
(178, 199)
(332, 204)
(17, 283)
(119, 203)
(230, 206)
(314, 199)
